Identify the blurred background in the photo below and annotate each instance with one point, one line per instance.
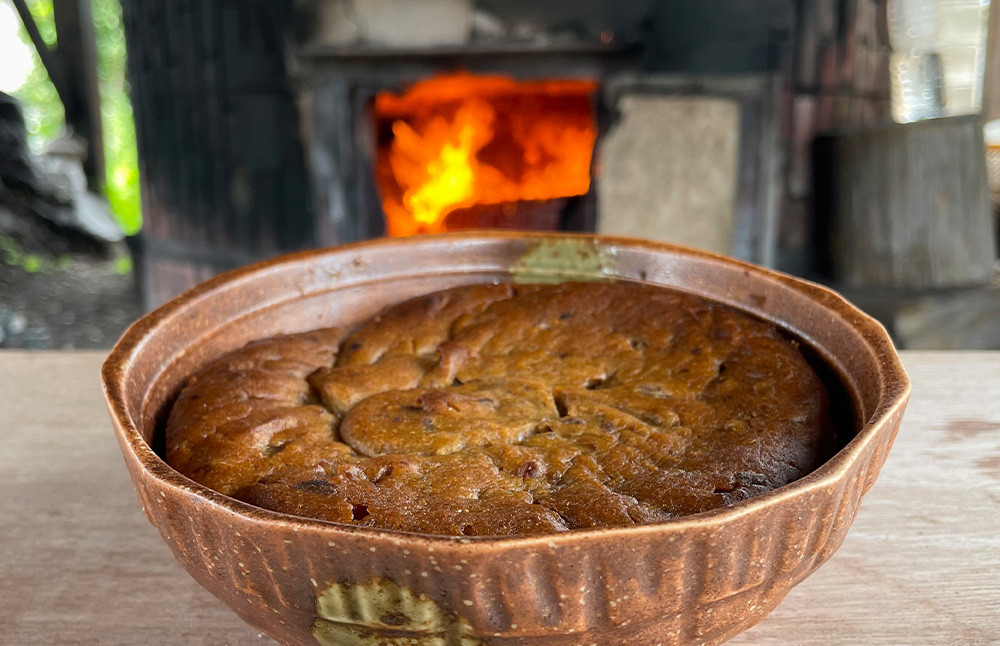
(146, 146)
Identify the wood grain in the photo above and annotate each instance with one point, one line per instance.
(80, 564)
(908, 204)
(921, 563)
(991, 77)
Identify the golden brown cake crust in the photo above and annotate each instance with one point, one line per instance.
(508, 409)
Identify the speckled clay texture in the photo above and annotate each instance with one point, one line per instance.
(698, 579)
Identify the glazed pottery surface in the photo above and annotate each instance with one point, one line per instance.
(694, 580)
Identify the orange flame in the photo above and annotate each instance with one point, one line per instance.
(456, 143)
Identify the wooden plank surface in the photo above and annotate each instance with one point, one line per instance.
(907, 204)
(991, 76)
(80, 565)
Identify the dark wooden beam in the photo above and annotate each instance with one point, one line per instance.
(49, 58)
(77, 51)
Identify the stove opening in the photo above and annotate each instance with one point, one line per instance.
(459, 151)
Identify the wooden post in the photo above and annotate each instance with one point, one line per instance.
(77, 53)
(221, 164)
(907, 205)
(991, 78)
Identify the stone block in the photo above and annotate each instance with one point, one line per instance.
(393, 23)
(668, 170)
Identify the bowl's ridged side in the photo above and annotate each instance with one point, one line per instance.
(697, 580)
(701, 585)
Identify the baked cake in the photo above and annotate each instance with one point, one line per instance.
(508, 409)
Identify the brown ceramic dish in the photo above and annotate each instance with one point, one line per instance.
(694, 580)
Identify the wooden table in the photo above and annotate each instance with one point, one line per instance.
(80, 564)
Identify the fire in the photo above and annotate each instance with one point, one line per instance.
(458, 143)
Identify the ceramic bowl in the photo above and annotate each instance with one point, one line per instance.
(699, 579)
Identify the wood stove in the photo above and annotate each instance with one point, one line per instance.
(405, 141)
(462, 151)
(267, 126)
(538, 116)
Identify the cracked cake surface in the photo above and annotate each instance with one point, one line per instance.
(503, 409)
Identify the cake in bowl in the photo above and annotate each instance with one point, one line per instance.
(693, 579)
(509, 409)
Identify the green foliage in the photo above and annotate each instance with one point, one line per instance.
(32, 263)
(11, 251)
(123, 265)
(44, 112)
(14, 255)
(116, 112)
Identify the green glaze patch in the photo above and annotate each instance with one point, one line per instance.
(383, 613)
(556, 261)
